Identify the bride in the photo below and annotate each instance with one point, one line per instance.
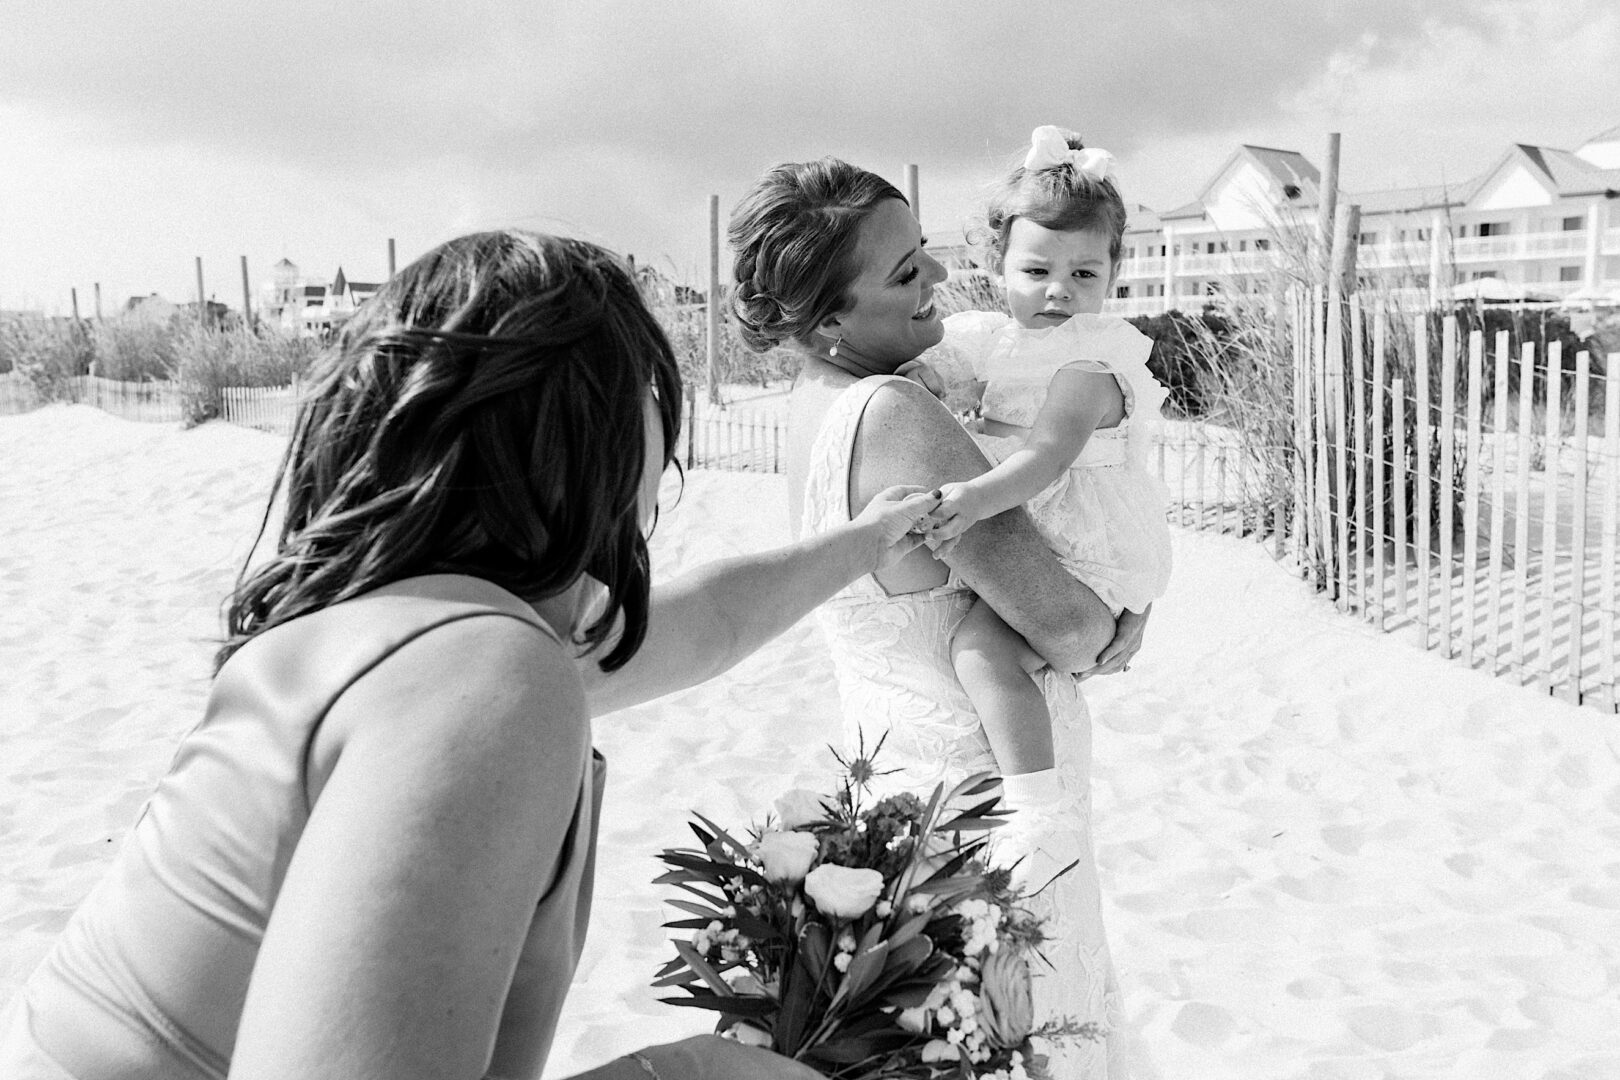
(829, 261)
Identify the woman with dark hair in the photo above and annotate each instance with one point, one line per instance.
(373, 856)
(829, 261)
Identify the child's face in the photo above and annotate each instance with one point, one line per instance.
(1051, 274)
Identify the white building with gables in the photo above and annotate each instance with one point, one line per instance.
(310, 306)
(1541, 224)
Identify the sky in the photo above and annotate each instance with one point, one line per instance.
(136, 138)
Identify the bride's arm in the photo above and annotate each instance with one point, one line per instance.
(906, 435)
(709, 618)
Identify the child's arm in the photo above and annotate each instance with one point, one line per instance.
(1077, 400)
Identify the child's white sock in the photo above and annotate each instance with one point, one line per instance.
(1032, 791)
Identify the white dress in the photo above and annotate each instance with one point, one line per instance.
(1105, 517)
(892, 655)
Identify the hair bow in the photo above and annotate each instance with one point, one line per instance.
(1049, 149)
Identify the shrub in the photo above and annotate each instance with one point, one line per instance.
(51, 353)
(210, 360)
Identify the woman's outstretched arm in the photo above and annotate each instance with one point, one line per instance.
(708, 619)
(905, 433)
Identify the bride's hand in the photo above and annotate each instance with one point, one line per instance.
(893, 517)
(1128, 630)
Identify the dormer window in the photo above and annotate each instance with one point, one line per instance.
(1291, 190)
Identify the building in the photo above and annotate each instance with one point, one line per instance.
(309, 306)
(1539, 225)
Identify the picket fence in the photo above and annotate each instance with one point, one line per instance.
(1486, 533)
(1515, 574)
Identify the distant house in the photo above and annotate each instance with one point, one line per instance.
(1540, 221)
(150, 309)
(309, 306)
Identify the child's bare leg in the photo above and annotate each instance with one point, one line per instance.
(994, 665)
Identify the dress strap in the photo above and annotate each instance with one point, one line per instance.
(826, 488)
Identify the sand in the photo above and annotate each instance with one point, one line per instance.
(1324, 852)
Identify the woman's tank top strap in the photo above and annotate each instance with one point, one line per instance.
(826, 487)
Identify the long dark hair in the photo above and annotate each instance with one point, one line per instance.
(483, 414)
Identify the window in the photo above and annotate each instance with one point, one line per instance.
(1367, 239)
(1123, 292)
(1569, 273)
(1492, 228)
(1262, 245)
(1480, 275)
(1575, 224)
(1243, 245)
(1210, 248)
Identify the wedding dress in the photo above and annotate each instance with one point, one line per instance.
(892, 657)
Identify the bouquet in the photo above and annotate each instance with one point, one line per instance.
(866, 941)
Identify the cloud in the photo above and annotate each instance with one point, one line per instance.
(315, 129)
(504, 85)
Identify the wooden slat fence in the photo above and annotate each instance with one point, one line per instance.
(1452, 505)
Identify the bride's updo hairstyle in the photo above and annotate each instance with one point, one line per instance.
(1063, 197)
(482, 414)
(793, 240)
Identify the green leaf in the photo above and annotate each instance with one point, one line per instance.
(746, 1008)
(695, 961)
(756, 927)
(695, 909)
(726, 838)
(864, 968)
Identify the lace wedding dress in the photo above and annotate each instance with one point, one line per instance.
(892, 656)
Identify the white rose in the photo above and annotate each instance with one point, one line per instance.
(786, 856)
(914, 1019)
(749, 1035)
(799, 806)
(843, 892)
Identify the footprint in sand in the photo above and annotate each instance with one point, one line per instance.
(1385, 1027)
(1203, 1024)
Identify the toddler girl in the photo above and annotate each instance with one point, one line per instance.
(1069, 410)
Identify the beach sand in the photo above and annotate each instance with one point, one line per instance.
(1324, 852)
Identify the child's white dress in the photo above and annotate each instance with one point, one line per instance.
(1105, 516)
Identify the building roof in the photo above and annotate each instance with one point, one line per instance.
(1290, 168)
(1139, 218)
(1406, 200)
(1612, 135)
(1569, 173)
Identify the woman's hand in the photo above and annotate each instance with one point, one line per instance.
(1127, 640)
(894, 517)
(923, 374)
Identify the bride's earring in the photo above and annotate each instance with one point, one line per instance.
(834, 350)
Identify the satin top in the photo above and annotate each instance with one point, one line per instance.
(148, 980)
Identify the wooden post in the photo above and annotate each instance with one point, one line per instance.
(714, 301)
(1471, 485)
(1420, 438)
(1577, 532)
(1608, 594)
(73, 295)
(1328, 195)
(1379, 433)
(247, 299)
(390, 256)
(1397, 430)
(1549, 507)
(1358, 381)
(914, 192)
(98, 301)
(1448, 478)
(1521, 509)
(202, 300)
(1499, 443)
